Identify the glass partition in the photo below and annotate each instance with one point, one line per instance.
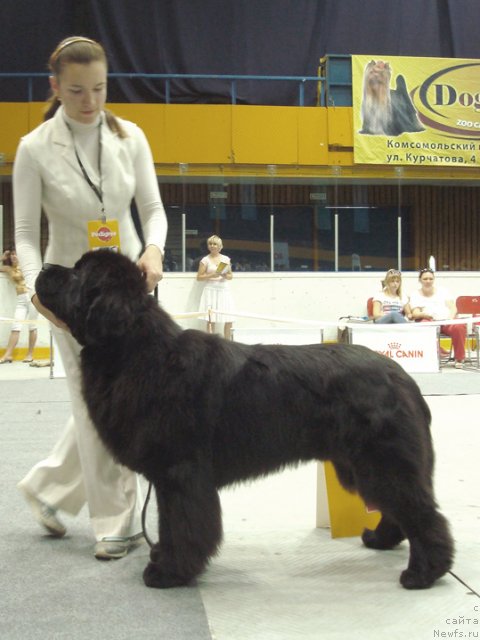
(278, 227)
(368, 238)
(311, 225)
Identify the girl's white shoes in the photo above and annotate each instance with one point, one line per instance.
(44, 515)
(117, 547)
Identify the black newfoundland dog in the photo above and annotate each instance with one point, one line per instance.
(194, 413)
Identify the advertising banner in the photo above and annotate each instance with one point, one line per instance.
(416, 111)
(414, 347)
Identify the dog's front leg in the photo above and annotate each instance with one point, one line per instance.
(190, 526)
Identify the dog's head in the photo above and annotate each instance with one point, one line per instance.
(99, 298)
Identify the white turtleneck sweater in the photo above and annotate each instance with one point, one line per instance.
(47, 175)
(86, 137)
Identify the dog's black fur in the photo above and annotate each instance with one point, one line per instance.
(194, 413)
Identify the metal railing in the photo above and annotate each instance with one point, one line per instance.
(168, 77)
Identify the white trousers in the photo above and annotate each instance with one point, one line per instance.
(80, 470)
(24, 310)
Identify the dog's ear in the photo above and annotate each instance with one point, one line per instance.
(110, 316)
(112, 295)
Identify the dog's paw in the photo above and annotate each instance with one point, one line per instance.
(382, 538)
(423, 576)
(369, 539)
(155, 577)
(372, 540)
(417, 580)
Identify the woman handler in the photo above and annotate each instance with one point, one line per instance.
(83, 167)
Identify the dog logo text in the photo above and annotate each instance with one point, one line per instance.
(395, 351)
(104, 234)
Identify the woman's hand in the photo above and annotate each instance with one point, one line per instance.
(48, 314)
(202, 273)
(150, 264)
(421, 315)
(228, 275)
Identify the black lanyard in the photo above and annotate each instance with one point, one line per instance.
(98, 191)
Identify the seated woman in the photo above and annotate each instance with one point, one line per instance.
(435, 303)
(390, 306)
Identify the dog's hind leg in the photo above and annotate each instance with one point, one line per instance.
(410, 512)
(386, 536)
(431, 548)
(190, 527)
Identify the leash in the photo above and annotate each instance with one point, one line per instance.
(144, 516)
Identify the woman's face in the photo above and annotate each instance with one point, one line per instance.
(427, 280)
(82, 89)
(393, 283)
(214, 246)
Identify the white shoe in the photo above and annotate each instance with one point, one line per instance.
(458, 365)
(45, 515)
(114, 547)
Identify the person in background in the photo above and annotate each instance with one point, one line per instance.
(83, 166)
(432, 302)
(24, 309)
(390, 306)
(215, 270)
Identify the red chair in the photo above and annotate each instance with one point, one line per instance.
(469, 306)
(370, 308)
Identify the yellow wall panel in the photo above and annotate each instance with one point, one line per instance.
(229, 138)
(197, 134)
(264, 135)
(344, 158)
(340, 126)
(13, 125)
(312, 136)
(36, 113)
(150, 118)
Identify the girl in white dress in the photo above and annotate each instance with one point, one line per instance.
(216, 270)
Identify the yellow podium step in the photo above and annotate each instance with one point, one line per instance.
(348, 513)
